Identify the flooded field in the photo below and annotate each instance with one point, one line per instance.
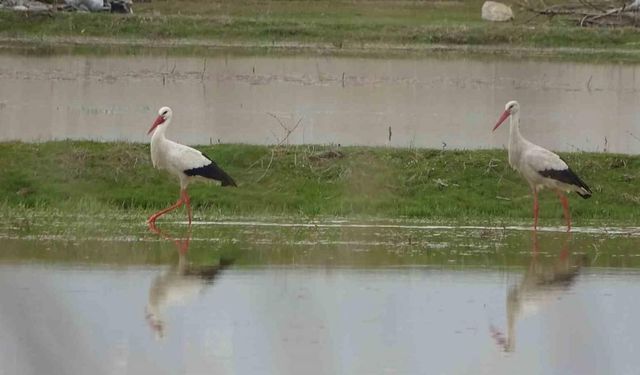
(317, 298)
(95, 294)
(423, 102)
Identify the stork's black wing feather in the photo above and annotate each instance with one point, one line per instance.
(568, 177)
(213, 171)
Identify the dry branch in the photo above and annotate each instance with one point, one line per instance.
(588, 13)
(274, 149)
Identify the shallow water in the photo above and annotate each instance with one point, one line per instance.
(319, 300)
(427, 102)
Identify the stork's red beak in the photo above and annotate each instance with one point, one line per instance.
(159, 120)
(503, 117)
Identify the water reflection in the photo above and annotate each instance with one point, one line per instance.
(543, 283)
(180, 284)
(278, 310)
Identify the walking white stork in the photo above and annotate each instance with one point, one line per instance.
(181, 161)
(540, 167)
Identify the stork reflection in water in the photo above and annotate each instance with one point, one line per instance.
(542, 284)
(180, 284)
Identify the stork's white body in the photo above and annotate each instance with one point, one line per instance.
(530, 159)
(174, 157)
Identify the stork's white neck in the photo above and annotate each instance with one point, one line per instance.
(158, 142)
(158, 134)
(516, 141)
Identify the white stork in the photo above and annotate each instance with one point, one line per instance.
(540, 167)
(181, 161)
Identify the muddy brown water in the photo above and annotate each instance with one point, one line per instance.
(426, 102)
(352, 300)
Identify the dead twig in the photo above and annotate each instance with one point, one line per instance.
(273, 151)
(586, 12)
(275, 148)
(287, 130)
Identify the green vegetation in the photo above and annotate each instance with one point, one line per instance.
(328, 25)
(308, 182)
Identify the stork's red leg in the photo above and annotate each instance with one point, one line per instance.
(152, 218)
(187, 201)
(536, 208)
(565, 208)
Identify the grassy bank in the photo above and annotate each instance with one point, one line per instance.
(308, 182)
(326, 24)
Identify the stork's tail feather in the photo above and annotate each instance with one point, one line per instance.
(584, 194)
(582, 189)
(212, 171)
(225, 179)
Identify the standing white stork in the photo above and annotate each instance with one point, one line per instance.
(540, 167)
(181, 161)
